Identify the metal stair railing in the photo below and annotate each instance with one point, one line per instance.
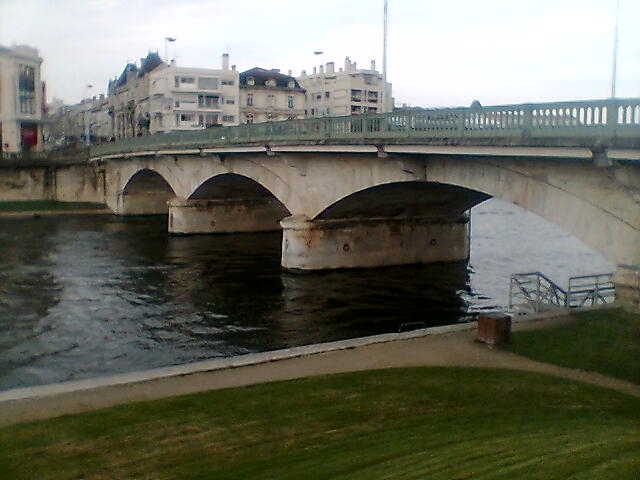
(589, 290)
(536, 292)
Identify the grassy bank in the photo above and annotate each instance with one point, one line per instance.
(605, 341)
(436, 423)
(439, 423)
(47, 206)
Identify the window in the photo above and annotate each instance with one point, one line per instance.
(27, 102)
(208, 101)
(250, 99)
(251, 81)
(27, 78)
(208, 120)
(291, 84)
(184, 81)
(27, 89)
(228, 118)
(270, 83)
(208, 83)
(227, 82)
(230, 101)
(271, 101)
(327, 94)
(290, 101)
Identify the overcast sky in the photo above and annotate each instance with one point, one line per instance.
(440, 53)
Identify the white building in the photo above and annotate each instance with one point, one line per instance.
(158, 97)
(349, 91)
(21, 99)
(268, 95)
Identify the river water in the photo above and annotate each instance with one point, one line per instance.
(87, 296)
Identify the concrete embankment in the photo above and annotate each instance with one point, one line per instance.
(55, 213)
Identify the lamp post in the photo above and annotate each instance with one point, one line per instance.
(167, 40)
(383, 98)
(87, 126)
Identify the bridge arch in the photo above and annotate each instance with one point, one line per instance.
(408, 199)
(588, 203)
(225, 203)
(145, 192)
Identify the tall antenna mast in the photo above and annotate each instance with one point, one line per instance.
(614, 72)
(384, 48)
(384, 56)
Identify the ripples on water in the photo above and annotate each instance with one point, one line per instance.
(83, 297)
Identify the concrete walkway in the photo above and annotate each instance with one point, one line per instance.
(440, 346)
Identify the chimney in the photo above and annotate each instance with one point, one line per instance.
(373, 65)
(331, 67)
(321, 68)
(225, 61)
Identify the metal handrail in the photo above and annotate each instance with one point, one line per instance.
(591, 121)
(536, 292)
(591, 290)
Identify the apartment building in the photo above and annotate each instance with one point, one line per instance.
(268, 95)
(158, 97)
(21, 99)
(348, 91)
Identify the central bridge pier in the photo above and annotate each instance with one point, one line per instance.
(375, 242)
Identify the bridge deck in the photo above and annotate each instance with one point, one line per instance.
(597, 124)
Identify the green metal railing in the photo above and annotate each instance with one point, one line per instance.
(534, 292)
(594, 121)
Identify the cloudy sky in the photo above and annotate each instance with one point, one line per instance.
(440, 53)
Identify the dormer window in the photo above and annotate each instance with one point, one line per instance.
(270, 83)
(251, 81)
(291, 84)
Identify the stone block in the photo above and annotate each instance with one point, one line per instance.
(493, 328)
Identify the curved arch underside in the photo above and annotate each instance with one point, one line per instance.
(230, 185)
(405, 200)
(146, 192)
(147, 180)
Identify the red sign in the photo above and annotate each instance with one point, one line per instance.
(29, 135)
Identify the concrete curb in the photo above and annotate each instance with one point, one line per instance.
(40, 391)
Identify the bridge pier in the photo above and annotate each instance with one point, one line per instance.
(627, 283)
(224, 216)
(353, 243)
(141, 203)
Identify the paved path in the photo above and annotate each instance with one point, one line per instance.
(442, 346)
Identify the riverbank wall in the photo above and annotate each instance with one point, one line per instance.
(63, 183)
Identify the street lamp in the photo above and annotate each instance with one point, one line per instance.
(167, 40)
(87, 126)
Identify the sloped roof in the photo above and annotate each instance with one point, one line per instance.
(261, 75)
(147, 64)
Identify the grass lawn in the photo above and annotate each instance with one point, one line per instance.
(47, 205)
(422, 423)
(605, 341)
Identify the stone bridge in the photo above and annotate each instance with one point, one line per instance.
(396, 188)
